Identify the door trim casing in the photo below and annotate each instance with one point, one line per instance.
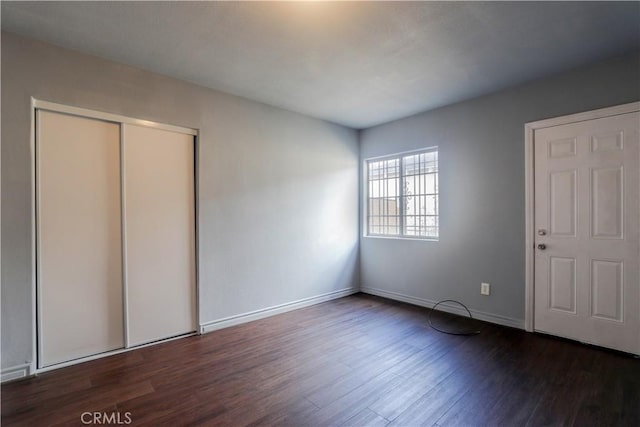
(529, 170)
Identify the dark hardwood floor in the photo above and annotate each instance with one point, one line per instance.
(357, 361)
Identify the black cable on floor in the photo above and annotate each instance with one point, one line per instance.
(476, 332)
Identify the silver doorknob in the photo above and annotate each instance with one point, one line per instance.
(542, 246)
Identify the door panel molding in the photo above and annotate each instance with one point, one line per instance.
(607, 184)
(563, 200)
(603, 143)
(606, 304)
(562, 284)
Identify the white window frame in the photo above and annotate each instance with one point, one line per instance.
(365, 196)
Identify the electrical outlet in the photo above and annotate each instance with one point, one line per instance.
(485, 288)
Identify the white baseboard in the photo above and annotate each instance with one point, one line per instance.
(272, 311)
(15, 372)
(454, 309)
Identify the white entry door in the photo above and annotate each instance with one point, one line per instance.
(587, 211)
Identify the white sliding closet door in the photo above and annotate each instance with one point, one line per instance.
(79, 244)
(160, 233)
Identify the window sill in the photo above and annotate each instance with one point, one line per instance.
(419, 239)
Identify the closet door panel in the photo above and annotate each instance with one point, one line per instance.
(79, 243)
(160, 233)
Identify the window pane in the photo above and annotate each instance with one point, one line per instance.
(392, 230)
(420, 194)
(392, 188)
(384, 201)
(428, 183)
(430, 205)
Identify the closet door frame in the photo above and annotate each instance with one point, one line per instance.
(37, 104)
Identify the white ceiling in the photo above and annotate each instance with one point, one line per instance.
(358, 63)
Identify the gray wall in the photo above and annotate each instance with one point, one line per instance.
(481, 153)
(278, 190)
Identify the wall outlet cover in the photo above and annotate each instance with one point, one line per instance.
(485, 288)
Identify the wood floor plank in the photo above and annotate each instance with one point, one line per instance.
(357, 361)
(379, 362)
(431, 406)
(366, 417)
(342, 409)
